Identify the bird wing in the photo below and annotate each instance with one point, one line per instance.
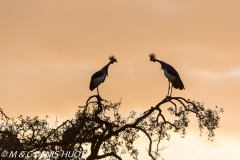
(98, 74)
(170, 70)
(178, 82)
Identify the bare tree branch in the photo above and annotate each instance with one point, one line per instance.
(113, 135)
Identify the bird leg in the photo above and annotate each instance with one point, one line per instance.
(99, 98)
(171, 91)
(168, 88)
(97, 91)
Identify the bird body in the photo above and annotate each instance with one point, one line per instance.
(97, 78)
(170, 73)
(100, 76)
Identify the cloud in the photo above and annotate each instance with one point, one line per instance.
(235, 72)
(215, 75)
(203, 149)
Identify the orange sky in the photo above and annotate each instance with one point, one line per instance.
(50, 49)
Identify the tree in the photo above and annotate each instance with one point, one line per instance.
(102, 134)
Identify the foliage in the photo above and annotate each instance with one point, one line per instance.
(105, 134)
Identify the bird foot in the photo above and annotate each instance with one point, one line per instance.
(168, 96)
(98, 97)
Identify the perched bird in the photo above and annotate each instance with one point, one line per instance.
(99, 76)
(171, 74)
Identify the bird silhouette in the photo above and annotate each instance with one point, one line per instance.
(99, 77)
(170, 73)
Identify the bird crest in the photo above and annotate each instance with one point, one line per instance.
(152, 57)
(112, 58)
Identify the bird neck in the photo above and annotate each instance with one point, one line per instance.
(106, 67)
(158, 61)
(161, 62)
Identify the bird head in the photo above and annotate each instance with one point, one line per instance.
(112, 59)
(152, 57)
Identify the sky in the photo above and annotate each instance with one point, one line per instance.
(50, 49)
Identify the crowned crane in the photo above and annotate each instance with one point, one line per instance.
(171, 74)
(99, 77)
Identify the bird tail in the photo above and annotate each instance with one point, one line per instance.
(178, 85)
(91, 86)
(181, 86)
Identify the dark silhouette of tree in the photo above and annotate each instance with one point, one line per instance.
(102, 132)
